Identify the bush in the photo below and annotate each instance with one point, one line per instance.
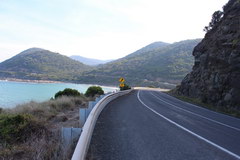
(216, 17)
(126, 87)
(67, 92)
(17, 128)
(94, 90)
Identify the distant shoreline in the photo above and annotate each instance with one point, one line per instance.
(49, 81)
(27, 80)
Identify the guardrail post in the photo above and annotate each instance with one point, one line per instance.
(82, 116)
(69, 135)
(97, 99)
(90, 107)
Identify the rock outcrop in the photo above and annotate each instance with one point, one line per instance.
(215, 77)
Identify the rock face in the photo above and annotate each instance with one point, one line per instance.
(215, 77)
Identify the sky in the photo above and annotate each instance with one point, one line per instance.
(102, 29)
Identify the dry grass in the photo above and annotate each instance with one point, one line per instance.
(49, 108)
(45, 143)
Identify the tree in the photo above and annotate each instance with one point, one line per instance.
(94, 90)
(67, 92)
(216, 17)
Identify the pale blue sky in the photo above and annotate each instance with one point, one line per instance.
(103, 29)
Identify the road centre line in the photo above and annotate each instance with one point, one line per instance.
(196, 114)
(187, 130)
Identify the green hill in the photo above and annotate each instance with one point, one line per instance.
(36, 63)
(157, 64)
(153, 65)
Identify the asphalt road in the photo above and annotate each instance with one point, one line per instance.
(150, 125)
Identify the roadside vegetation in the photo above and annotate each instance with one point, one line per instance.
(125, 87)
(32, 130)
(225, 110)
(93, 91)
(67, 92)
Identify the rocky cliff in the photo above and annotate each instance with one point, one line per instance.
(215, 78)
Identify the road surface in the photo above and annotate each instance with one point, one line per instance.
(151, 125)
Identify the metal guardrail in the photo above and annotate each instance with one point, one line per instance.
(87, 130)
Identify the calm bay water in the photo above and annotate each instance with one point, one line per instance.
(14, 93)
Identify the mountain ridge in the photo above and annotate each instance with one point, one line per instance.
(89, 61)
(158, 64)
(36, 63)
(141, 67)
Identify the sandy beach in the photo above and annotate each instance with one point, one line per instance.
(32, 81)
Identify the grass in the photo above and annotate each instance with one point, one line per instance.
(32, 130)
(221, 109)
(49, 108)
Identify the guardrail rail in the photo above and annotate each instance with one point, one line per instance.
(81, 149)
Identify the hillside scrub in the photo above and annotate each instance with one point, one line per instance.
(41, 64)
(15, 127)
(32, 130)
(154, 64)
(151, 65)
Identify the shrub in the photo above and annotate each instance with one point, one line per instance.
(151, 86)
(94, 90)
(216, 17)
(125, 87)
(67, 92)
(17, 128)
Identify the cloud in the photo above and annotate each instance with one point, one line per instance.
(100, 29)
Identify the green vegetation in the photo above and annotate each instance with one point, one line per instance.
(31, 130)
(125, 87)
(94, 90)
(67, 92)
(148, 66)
(216, 17)
(41, 64)
(224, 110)
(235, 42)
(152, 65)
(15, 128)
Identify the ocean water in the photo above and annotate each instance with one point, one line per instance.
(14, 93)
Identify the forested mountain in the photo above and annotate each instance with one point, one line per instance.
(152, 65)
(36, 63)
(89, 61)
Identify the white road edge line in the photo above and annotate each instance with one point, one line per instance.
(202, 108)
(196, 114)
(185, 129)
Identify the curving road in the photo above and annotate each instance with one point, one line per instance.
(151, 125)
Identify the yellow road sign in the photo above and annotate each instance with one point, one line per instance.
(121, 80)
(121, 85)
